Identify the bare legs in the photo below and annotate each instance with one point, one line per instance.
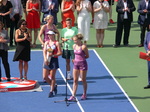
(110, 15)
(76, 74)
(23, 66)
(100, 37)
(68, 64)
(51, 81)
(35, 36)
(69, 76)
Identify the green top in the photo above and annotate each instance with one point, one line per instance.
(68, 34)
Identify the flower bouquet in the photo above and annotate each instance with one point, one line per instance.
(50, 50)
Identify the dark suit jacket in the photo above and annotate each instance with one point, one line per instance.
(142, 15)
(45, 11)
(120, 7)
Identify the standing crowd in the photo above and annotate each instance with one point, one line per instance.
(74, 39)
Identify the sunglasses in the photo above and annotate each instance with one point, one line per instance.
(23, 24)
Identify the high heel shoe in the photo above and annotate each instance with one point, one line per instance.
(25, 78)
(101, 46)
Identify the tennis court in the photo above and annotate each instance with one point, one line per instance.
(104, 92)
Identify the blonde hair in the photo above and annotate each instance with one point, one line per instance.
(79, 36)
(48, 17)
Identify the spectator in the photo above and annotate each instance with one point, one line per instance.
(124, 9)
(111, 2)
(24, 7)
(33, 18)
(84, 8)
(147, 48)
(101, 8)
(67, 35)
(67, 9)
(5, 10)
(50, 7)
(4, 51)
(143, 19)
(15, 16)
(92, 13)
(22, 53)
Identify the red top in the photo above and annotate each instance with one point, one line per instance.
(33, 18)
(55, 49)
(68, 14)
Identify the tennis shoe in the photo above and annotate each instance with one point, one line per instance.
(72, 98)
(69, 77)
(55, 89)
(79, 79)
(44, 81)
(50, 94)
(83, 97)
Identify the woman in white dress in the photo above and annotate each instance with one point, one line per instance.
(84, 9)
(101, 8)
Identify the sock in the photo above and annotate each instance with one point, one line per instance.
(68, 72)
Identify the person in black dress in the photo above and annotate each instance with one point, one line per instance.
(5, 10)
(23, 49)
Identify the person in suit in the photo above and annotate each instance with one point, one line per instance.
(50, 7)
(124, 8)
(147, 48)
(143, 19)
(15, 16)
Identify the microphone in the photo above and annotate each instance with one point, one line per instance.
(66, 51)
(66, 47)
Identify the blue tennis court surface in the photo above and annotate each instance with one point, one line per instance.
(104, 93)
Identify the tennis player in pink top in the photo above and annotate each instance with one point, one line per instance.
(80, 66)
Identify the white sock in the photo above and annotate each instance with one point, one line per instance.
(68, 72)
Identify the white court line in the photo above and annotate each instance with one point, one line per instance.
(109, 73)
(63, 76)
(116, 81)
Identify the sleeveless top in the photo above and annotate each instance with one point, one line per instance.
(23, 49)
(67, 5)
(25, 42)
(33, 18)
(54, 47)
(46, 29)
(79, 54)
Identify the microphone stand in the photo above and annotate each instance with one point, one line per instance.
(66, 99)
